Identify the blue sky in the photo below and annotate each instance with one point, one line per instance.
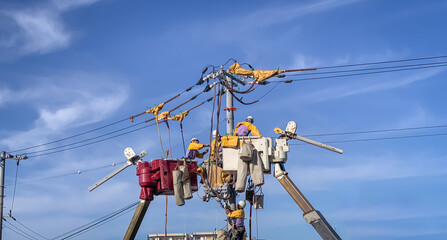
(71, 66)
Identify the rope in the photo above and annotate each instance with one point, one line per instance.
(251, 207)
(169, 135)
(257, 226)
(159, 136)
(166, 218)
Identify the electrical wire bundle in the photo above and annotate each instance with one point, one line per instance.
(328, 72)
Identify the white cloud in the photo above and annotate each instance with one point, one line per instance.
(40, 29)
(83, 99)
(365, 86)
(380, 213)
(369, 169)
(247, 25)
(65, 5)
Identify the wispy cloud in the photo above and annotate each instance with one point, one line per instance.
(364, 87)
(382, 212)
(40, 29)
(369, 169)
(65, 5)
(248, 24)
(62, 106)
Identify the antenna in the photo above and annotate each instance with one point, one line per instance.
(132, 159)
(290, 134)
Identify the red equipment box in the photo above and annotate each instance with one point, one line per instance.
(157, 175)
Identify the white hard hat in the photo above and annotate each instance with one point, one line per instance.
(241, 203)
(214, 133)
(194, 139)
(250, 119)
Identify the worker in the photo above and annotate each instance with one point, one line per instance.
(244, 128)
(193, 149)
(238, 221)
(217, 137)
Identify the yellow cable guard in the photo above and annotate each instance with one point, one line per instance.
(163, 116)
(257, 75)
(179, 117)
(278, 130)
(156, 109)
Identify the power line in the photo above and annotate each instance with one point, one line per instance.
(29, 229)
(102, 140)
(356, 74)
(89, 131)
(378, 139)
(382, 62)
(76, 135)
(102, 223)
(68, 174)
(23, 235)
(85, 140)
(85, 227)
(368, 69)
(20, 230)
(375, 131)
(118, 135)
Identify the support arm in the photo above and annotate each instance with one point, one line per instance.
(137, 218)
(312, 216)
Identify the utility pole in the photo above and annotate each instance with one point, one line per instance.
(3, 157)
(2, 189)
(230, 127)
(230, 113)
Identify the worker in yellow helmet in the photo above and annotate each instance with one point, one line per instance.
(193, 149)
(217, 137)
(238, 221)
(244, 128)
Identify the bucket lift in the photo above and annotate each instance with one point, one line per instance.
(277, 155)
(155, 178)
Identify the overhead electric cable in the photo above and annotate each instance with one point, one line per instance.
(368, 69)
(76, 135)
(29, 236)
(355, 74)
(377, 139)
(89, 131)
(23, 235)
(376, 131)
(94, 222)
(83, 145)
(102, 140)
(103, 222)
(383, 62)
(269, 91)
(85, 140)
(29, 229)
(68, 174)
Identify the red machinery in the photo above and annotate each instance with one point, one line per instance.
(155, 178)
